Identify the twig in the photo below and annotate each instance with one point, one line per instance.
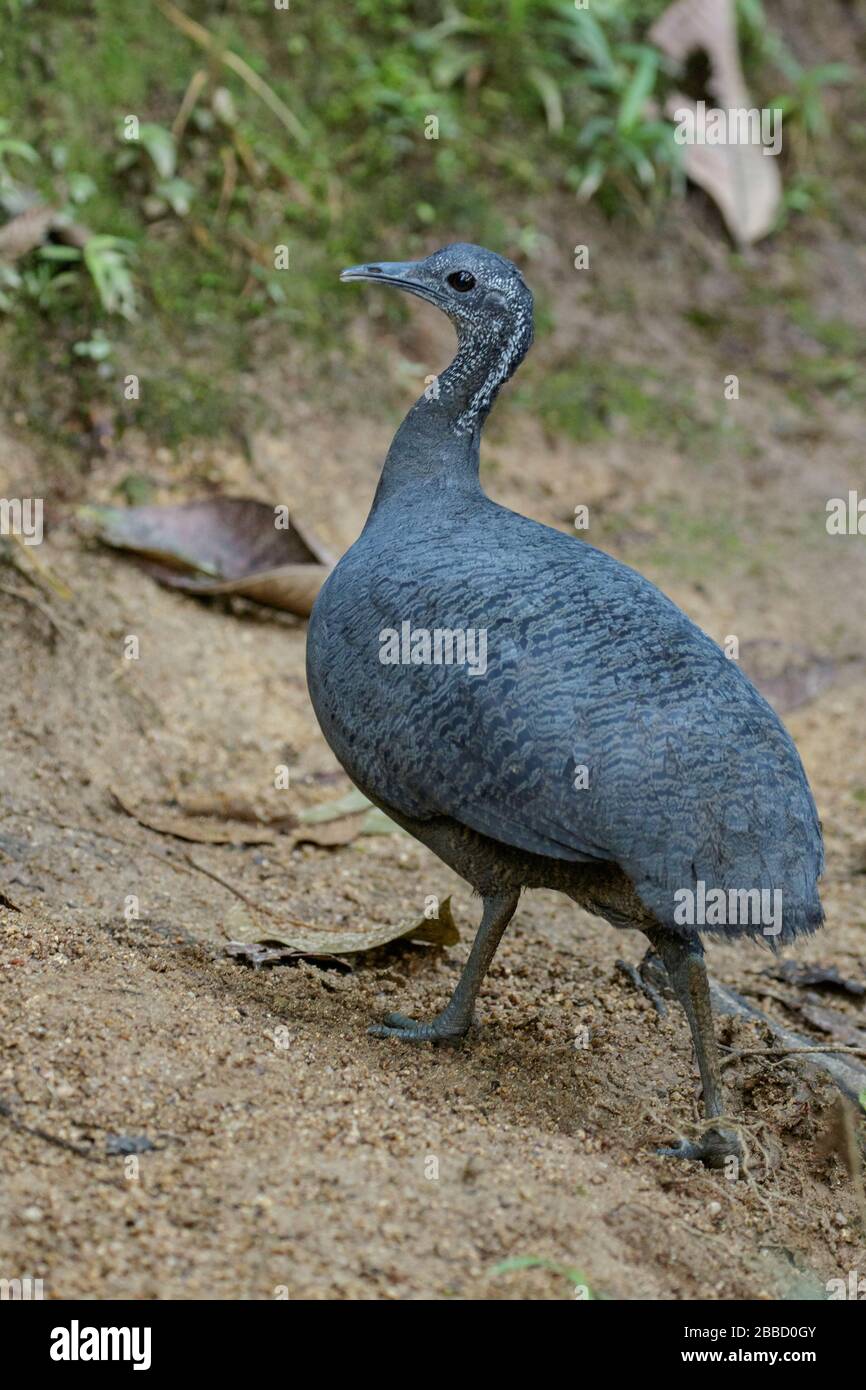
(774, 1052)
(252, 248)
(6, 1112)
(206, 40)
(58, 1143)
(247, 158)
(173, 864)
(103, 834)
(196, 84)
(43, 574)
(250, 902)
(34, 603)
(230, 180)
(644, 986)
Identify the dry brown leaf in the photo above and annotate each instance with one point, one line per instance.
(346, 940)
(744, 183)
(332, 833)
(292, 588)
(259, 953)
(226, 545)
(32, 225)
(234, 806)
(22, 234)
(192, 830)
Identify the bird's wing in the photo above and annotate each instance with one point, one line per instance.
(605, 725)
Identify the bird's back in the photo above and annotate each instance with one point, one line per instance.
(604, 726)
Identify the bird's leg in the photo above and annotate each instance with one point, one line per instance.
(684, 961)
(455, 1019)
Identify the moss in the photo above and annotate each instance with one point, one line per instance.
(691, 546)
(593, 399)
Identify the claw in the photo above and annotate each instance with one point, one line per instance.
(713, 1149)
(683, 1148)
(408, 1030)
(399, 1021)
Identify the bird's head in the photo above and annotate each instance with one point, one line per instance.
(484, 295)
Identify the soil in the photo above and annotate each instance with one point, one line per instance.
(293, 1155)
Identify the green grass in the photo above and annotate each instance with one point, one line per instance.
(689, 546)
(601, 397)
(529, 95)
(574, 1276)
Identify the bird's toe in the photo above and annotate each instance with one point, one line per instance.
(683, 1148)
(399, 1026)
(408, 1030)
(714, 1149)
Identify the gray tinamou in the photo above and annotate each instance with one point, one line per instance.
(539, 714)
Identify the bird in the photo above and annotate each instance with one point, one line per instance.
(539, 714)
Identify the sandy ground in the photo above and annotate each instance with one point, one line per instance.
(290, 1151)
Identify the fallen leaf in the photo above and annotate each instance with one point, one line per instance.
(234, 806)
(335, 823)
(259, 953)
(794, 972)
(22, 234)
(347, 940)
(832, 1022)
(32, 223)
(192, 830)
(227, 545)
(332, 810)
(331, 834)
(743, 182)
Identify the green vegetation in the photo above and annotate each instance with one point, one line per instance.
(603, 397)
(574, 1276)
(226, 158)
(691, 545)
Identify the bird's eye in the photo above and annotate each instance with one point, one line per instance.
(461, 280)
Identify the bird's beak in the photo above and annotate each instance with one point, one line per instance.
(406, 275)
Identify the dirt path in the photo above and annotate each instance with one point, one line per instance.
(291, 1151)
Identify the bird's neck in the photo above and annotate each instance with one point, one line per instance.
(441, 435)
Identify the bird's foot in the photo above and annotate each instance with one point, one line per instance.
(399, 1026)
(715, 1148)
